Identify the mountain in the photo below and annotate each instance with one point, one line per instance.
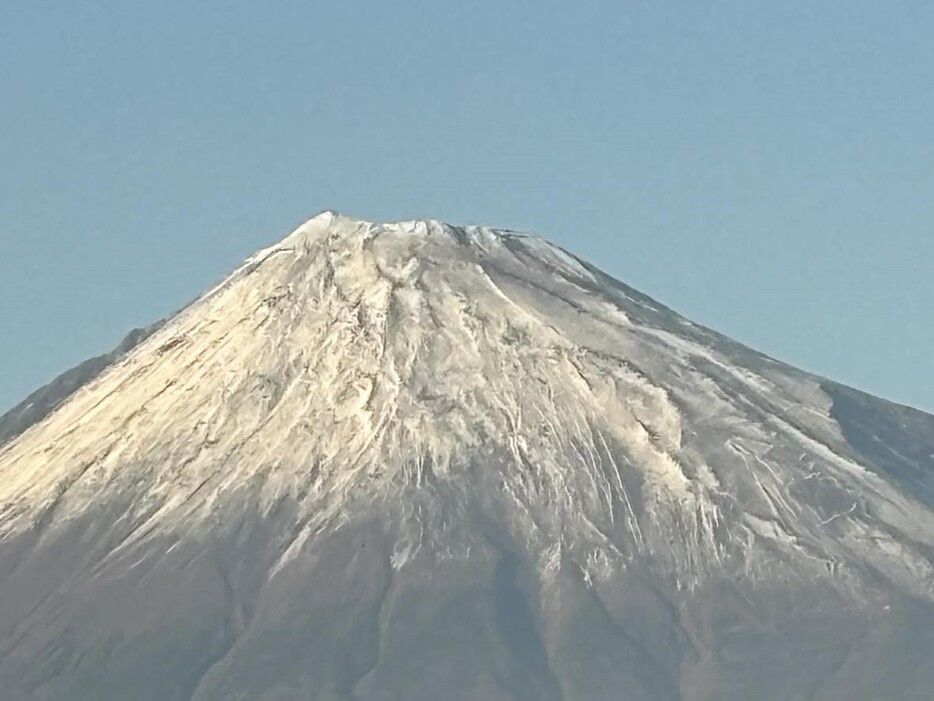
(413, 461)
(46, 399)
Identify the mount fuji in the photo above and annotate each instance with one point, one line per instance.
(413, 461)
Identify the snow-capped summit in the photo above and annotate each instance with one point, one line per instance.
(407, 460)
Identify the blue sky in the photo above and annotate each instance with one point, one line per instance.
(765, 168)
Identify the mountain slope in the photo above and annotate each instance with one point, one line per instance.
(47, 399)
(413, 461)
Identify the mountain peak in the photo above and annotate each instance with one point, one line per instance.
(393, 406)
(332, 222)
(391, 353)
(336, 226)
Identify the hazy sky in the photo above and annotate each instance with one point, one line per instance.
(766, 168)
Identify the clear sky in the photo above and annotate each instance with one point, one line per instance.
(766, 168)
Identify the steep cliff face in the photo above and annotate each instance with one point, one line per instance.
(414, 461)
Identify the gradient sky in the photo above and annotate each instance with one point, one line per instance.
(765, 168)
